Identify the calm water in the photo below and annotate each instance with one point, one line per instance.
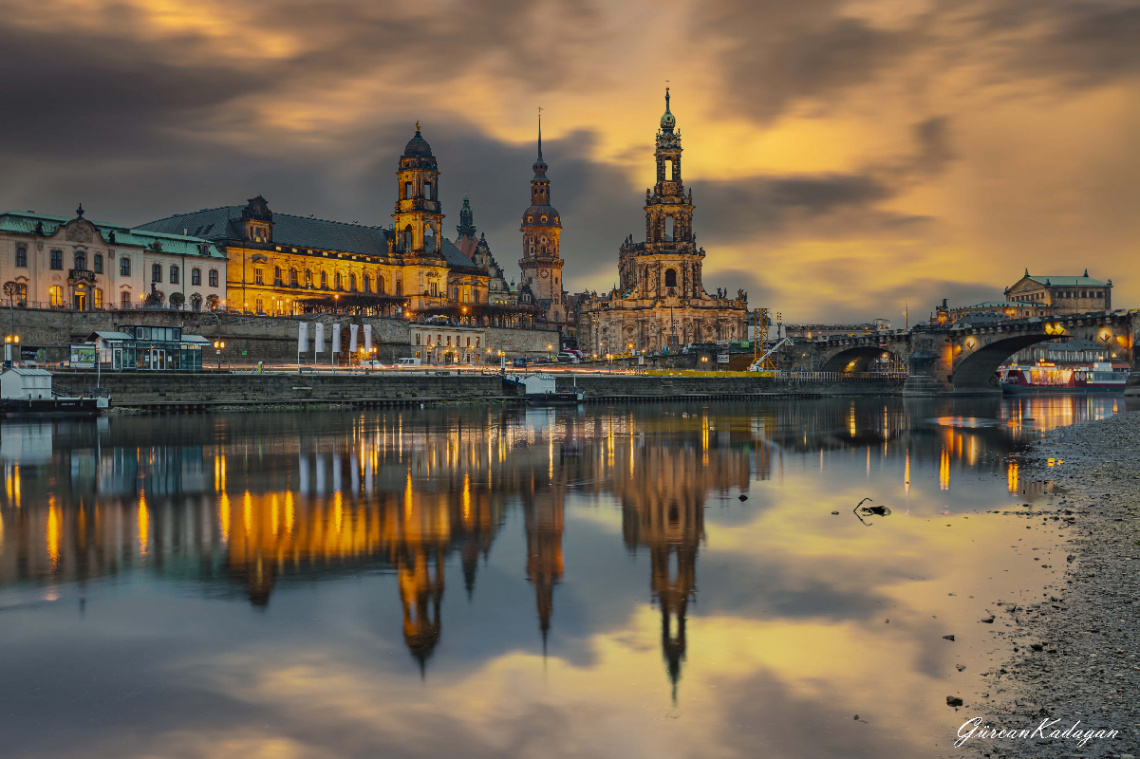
(578, 583)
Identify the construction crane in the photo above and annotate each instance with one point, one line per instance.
(763, 350)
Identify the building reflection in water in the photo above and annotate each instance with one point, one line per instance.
(246, 503)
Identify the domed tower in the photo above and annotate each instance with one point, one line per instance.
(541, 226)
(418, 220)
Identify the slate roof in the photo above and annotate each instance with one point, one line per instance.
(1067, 281)
(24, 222)
(224, 223)
(995, 304)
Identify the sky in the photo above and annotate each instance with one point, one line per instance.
(848, 160)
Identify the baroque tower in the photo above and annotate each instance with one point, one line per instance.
(541, 227)
(418, 220)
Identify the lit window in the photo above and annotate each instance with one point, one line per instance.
(97, 298)
(258, 276)
(55, 292)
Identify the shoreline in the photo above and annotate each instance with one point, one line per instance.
(1077, 656)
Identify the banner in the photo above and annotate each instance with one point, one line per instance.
(319, 339)
(303, 337)
(336, 338)
(367, 338)
(352, 330)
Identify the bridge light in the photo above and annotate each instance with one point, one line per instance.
(970, 343)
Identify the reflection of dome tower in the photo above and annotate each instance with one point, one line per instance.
(418, 219)
(421, 592)
(544, 554)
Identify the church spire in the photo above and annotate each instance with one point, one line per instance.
(539, 164)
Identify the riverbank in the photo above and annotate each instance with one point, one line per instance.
(1078, 652)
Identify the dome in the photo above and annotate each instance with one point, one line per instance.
(417, 147)
(542, 216)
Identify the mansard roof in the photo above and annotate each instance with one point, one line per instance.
(26, 222)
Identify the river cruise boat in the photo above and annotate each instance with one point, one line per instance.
(1097, 377)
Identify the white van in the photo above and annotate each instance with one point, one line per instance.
(408, 362)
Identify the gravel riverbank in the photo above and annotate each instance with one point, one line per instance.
(1078, 652)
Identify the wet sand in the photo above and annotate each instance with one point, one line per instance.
(1078, 650)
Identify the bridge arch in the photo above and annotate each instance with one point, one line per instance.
(978, 370)
(854, 359)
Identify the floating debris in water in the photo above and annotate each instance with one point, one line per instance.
(870, 511)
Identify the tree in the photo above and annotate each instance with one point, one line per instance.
(176, 300)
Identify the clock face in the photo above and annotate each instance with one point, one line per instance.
(544, 274)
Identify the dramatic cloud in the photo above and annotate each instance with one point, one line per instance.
(844, 155)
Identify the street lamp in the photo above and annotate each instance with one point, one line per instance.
(218, 346)
(11, 343)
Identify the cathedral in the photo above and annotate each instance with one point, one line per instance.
(661, 302)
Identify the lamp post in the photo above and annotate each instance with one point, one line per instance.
(218, 344)
(11, 343)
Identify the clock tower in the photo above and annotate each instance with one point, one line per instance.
(541, 226)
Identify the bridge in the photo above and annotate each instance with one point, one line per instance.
(964, 357)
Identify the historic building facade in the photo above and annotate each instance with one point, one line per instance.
(285, 264)
(1055, 295)
(661, 301)
(57, 262)
(541, 262)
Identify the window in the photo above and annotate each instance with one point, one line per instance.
(308, 278)
(124, 267)
(670, 277)
(449, 341)
(195, 276)
(379, 285)
(174, 275)
(98, 263)
(366, 283)
(407, 190)
(156, 273)
(336, 281)
(352, 283)
(427, 190)
(277, 275)
(80, 260)
(408, 237)
(97, 298)
(213, 277)
(21, 256)
(668, 227)
(476, 342)
(57, 259)
(258, 276)
(196, 301)
(55, 292)
(668, 169)
(417, 338)
(469, 342)
(324, 280)
(293, 277)
(259, 306)
(434, 289)
(125, 299)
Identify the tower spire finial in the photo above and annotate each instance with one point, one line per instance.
(417, 126)
(667, 99)
(540, 133)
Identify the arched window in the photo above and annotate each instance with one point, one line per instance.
(336, 281)
(195, 277)
(173, 275)
(156, 273)
(308, 278)
(293, 277)
(429, 238)
(668, 169)
(98, 266)
(196, 301)
(668, 227)
(324, 280)
(408, 237)
(80, 260)
(670, 277)
(21, 255)
(213, 277)
(379, 285)
(366, 283)
(124, 267)
(277, 275)
(125, 299)
(352, 283)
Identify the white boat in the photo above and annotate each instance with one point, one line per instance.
(29, 392)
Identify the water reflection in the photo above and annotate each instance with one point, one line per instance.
(253, 505)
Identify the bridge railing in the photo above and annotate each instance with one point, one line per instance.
(894, 377)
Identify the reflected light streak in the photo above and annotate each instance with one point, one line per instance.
(143, 519)
(53, 534)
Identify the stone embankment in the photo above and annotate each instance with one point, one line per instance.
(1079, 657)
(178, 391)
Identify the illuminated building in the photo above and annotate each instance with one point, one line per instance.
(541, 227)
(287, 264)
(57, 262)
(1054, 296)
(661, 301)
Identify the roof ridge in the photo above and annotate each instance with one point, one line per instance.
(326, 221)
(188, 213)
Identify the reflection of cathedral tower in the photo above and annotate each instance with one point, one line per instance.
(544, 554)
(421, 592)
(667, 516)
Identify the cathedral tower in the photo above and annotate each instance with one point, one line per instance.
(418, 220)
(541, 227)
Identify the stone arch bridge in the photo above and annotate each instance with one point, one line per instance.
(964, 357)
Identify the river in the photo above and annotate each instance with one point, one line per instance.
(657, 580)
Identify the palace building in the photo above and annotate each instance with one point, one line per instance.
(56, 262)
(661, 301)
(286, 264)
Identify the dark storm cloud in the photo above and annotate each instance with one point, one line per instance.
(1087, 44)
(778, 54)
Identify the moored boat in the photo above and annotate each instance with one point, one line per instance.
(1045, 377)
